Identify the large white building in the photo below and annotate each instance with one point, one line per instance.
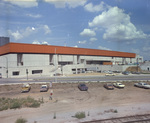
(18, 60)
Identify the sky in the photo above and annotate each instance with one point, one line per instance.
(116, 25)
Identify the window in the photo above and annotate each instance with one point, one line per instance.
(19, 59)
(15, 73)
(36, 71)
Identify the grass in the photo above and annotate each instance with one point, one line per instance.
(80, 115)
(21, 120)
(8, 103)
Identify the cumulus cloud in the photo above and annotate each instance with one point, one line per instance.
(22, 33)
(87, 32)
(117, 25)
(66, 3)
(19, 34)
(91, 8)
(23, 3)
(36, 42)
(82, 42)
(45, 43)
(103, 48)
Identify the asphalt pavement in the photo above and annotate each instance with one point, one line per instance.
(63, 79)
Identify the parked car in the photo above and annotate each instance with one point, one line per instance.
(142, 85)
(110, 74)
(25, 88)
(136, 72)
(125, 73)
(118, 85)
(109, 86)
(82, 87)
(44, 88)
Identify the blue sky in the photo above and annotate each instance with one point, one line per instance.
(117, 25)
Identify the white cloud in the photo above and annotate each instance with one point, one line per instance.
(45, 43)
(23, 3)
(22, 33)
(82, 42)
(17, 35)
(34, 15)
(46, 29)
(93, 39)
(67, 3)
(103, 48)
(91, 8)
(75, 46)
(117, 25)
(87, 32)
(36, 42)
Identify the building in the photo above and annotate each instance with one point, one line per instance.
(145, 66)
(19, 60)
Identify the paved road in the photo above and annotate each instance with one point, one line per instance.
(77, 79)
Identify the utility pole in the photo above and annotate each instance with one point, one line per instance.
(55, 64)
(137, 64)
(27, 73)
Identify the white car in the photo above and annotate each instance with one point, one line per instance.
(44, 88)
(119, 85)
(142, 85)
(110, 74)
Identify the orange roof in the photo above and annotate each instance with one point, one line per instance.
(49, 49)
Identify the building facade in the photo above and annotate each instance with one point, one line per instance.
(18, 60)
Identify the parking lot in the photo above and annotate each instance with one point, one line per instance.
(68, 99)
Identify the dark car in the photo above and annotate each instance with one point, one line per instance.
(125, 73)
(82, 87)
(109, 86)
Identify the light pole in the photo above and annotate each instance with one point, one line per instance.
(55, 65)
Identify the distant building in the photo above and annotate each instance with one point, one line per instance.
(4, 40)
(18, 60)
(145, 66)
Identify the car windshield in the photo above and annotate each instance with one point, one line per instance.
(43, 86)
(82, 85)
(109, 84)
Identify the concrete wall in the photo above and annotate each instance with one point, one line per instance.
(35, 60)
(41, 62)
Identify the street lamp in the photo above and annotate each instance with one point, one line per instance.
(55, 65)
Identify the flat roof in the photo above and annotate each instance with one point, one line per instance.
(50, 49)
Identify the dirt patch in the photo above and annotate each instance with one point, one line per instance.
(68, 99)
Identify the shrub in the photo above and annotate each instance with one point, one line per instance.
(80, 115)
(35, 104)
(15, 105)
(21, 120)
(6, 103)
(115, 111)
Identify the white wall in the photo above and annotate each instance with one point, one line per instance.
(35, 59)
(65, 58)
